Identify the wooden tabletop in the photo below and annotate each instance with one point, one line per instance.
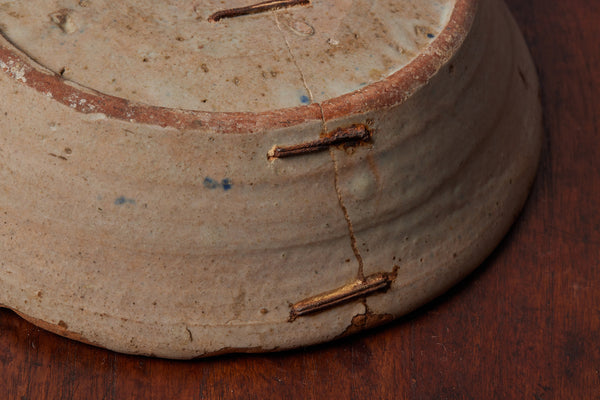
(525, 325)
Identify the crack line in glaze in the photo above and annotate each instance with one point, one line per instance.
(295, 61)
(360, 275)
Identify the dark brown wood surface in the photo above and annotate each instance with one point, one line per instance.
(525, 325)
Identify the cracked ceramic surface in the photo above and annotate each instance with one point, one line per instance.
(133, 224)
(167, 53)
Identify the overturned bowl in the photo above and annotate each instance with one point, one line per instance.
(181, 180)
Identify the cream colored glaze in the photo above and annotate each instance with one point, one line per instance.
(111, 233)
(167, 53)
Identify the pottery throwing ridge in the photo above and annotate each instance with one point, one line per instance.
(188, 178)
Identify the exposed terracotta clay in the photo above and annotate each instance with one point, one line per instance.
(182, 179)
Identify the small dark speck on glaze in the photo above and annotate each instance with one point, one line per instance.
(304, 99)
(430, 35)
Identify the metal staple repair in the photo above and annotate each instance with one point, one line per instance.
(359, 288)
(351, 136)
(256, 8)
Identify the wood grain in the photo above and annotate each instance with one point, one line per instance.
(525, 325)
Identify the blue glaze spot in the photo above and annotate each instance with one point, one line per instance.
(210, 183)
(430, 35)
(226, 183)
(304, 99)
(119, 201)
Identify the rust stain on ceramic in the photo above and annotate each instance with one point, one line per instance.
(345, 137)
(256, 8)
(364, 321)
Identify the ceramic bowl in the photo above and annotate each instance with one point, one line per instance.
(180, 180)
